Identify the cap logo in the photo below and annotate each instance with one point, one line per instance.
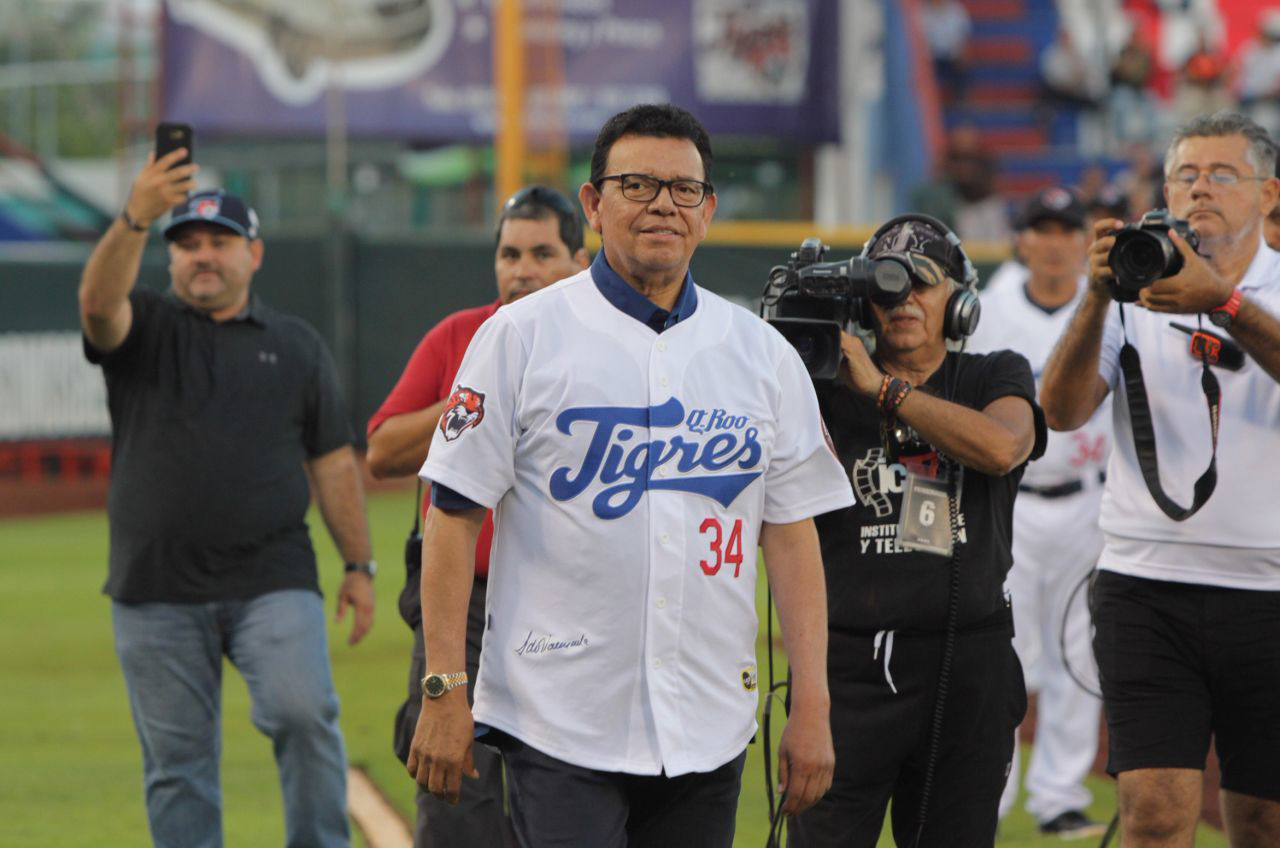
(208, 207)
(1056, 199)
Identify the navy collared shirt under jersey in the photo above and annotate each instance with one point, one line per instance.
(627, 300)
(621, 294)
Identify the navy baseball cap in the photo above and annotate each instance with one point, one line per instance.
(214, 206)
(1053, 204)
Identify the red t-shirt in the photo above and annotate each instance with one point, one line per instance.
(428, 379)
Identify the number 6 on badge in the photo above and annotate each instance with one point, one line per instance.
(919, 528)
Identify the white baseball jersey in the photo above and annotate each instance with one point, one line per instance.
(1010, 320)
(1234, 540)
(1010, 272)
(1055, 545)
(629, 472)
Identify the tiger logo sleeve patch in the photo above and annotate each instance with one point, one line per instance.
(464, 410)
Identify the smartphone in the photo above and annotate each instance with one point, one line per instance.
(169, 137)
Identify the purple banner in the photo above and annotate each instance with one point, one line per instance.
(423, 69)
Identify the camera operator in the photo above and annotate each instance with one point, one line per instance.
(1187, 611)
(935, 442)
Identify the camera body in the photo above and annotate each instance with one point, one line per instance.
(1143, 253)
(811, 301)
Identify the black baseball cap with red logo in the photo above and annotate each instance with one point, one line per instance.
(214, 206)
(1052, 204)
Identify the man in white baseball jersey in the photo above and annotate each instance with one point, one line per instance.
(1056, 539)
(637, 437)
(1187, 600)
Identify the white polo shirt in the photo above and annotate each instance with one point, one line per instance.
(1234, 540)
(629, 472)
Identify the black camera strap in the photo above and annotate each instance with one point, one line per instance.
(1144, 435)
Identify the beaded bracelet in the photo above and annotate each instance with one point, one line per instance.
(884, 390)
(892, 386)
(897, 395)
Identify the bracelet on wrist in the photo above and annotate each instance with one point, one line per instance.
(884, 390)
(131, 223)
(898, 392)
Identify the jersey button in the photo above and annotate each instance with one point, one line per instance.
(662, 347)
(662, 603)
(663, 381)
(657, 663)
(664, 538)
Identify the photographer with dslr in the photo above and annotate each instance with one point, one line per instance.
(1186, 603)
(926, 689)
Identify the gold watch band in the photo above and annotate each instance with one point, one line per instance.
(435, 685)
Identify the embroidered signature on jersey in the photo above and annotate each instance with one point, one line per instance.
(629, 467)
(464, 411)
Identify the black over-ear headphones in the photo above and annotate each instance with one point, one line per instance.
(963, 308)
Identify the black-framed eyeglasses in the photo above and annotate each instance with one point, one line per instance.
(643, 188)
(537, 195)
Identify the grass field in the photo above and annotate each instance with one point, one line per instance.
(72, 771)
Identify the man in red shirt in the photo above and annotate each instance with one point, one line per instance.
(539, 241)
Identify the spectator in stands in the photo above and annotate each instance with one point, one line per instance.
(1132, 108)
(1186, 25)
(962, 193)
(1258, 81)
(1071, 79)
(1093, 178)
(1142, 180)
(970, 167)
(946, 27)
(1202, 82)
(1067, 77)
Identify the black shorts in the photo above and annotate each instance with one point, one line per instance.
(882, 741)
(1181, 661)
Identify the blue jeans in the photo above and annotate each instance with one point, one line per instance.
(171, 655)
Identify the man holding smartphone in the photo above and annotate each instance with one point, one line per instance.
(221, 409)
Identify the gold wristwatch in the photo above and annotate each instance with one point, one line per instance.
(435, 685)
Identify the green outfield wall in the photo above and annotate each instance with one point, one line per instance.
(371, 299)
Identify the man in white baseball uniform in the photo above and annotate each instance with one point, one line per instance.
(1056, 539)
(636, 437)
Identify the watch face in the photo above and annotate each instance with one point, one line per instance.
(1221, 318)
(433, 686)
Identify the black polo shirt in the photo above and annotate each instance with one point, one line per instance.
(211, 423)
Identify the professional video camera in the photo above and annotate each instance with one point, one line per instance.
(1143, 253)
(810, 301)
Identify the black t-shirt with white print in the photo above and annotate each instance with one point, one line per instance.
(872, 582)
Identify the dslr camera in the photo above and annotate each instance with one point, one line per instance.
(811, 301)
(1143, 253)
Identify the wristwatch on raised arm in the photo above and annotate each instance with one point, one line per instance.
(435, 685)
(370, 568)
(1223, 315)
